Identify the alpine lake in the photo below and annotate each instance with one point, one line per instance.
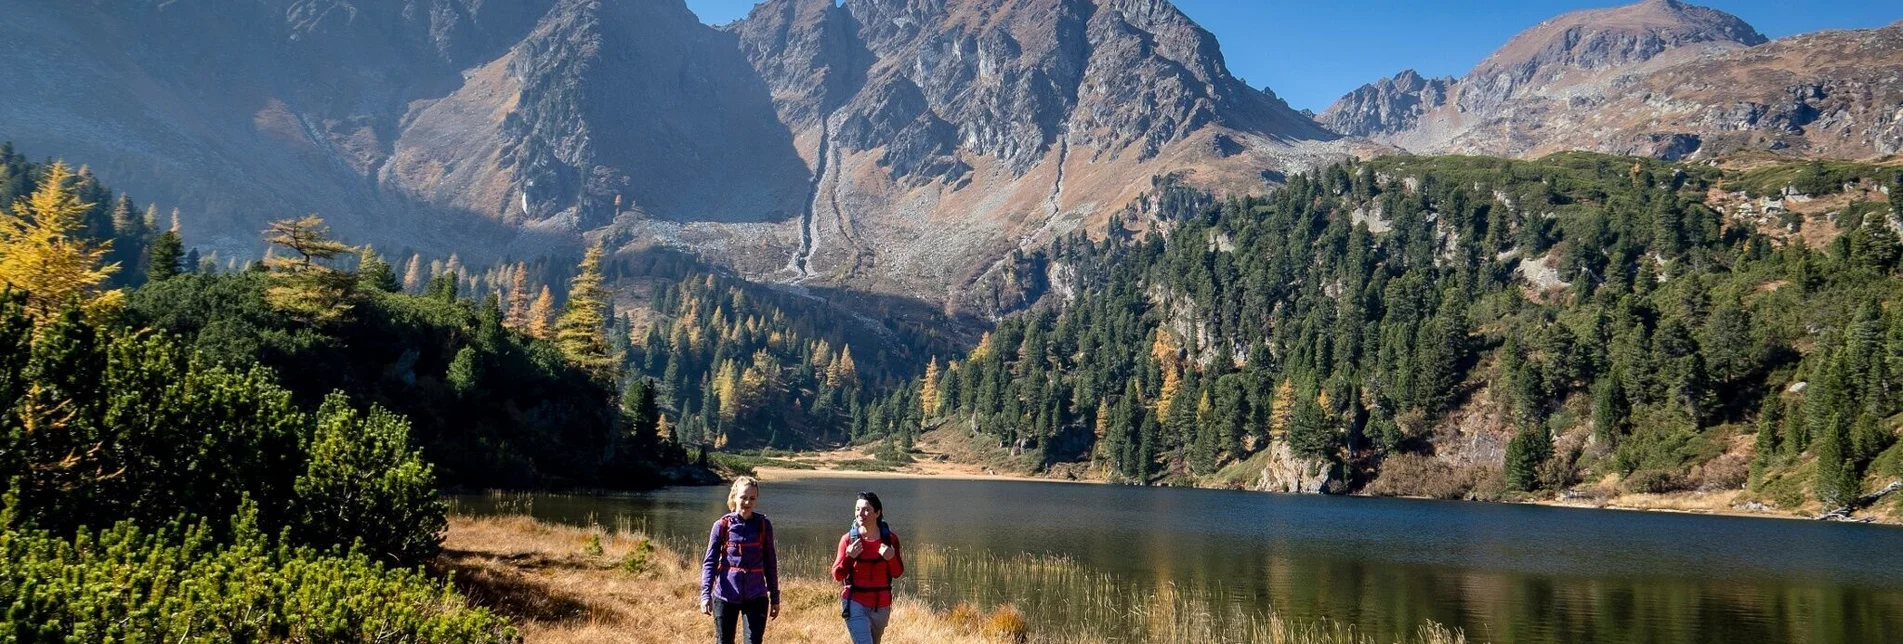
(1129, 564)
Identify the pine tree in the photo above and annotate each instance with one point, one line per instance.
(1528, 449)
(1308, 432)
(640, 405)
(539, 312)
(129, 234)
(162, 257)
(1837, 482)
(581, 330)
(1896, 195)
(1770, 421)
(43, 252)
(375, 274)
(1207, 450)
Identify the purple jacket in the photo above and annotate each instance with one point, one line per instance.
(740, 564)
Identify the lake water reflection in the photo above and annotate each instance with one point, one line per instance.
(1128, 564)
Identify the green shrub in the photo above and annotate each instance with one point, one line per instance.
(101, 426)
(362, 481)
(1652, 482)
(638, 558)
(177, 584)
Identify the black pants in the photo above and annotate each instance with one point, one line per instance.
(727, 618)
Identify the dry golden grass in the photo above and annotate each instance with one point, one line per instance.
(564, 584)
(545, 578)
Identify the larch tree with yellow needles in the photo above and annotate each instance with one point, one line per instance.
(43, 250)
(302, 283)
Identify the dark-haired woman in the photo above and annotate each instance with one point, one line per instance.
(868, 561)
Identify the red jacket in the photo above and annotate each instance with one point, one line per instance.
(872, 575)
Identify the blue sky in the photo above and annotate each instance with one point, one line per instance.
(1311, 53)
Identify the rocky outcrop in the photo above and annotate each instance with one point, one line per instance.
(1285, 472)
(1659, 78)
(1387, 105)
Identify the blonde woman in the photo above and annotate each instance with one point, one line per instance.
(740, 575)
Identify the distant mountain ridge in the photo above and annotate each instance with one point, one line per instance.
(1658, 78)
(898, 145)
(901, 146)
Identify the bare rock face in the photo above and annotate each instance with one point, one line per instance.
(940, 132)
(1287, 473)
(1387, 105)
(899, 145)
(609, 107)
(1660, 78)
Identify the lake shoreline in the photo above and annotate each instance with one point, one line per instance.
(562, 584)
(1688, 503)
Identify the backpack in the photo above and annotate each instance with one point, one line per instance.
(731, 551)
(845, 601)
(885, 531)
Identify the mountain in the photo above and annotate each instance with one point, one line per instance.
(1387, 105)
(942, 131)
(897, 145)
(1660, 78)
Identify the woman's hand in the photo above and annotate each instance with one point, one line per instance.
(886, 550)
(706, 607)
(773, 611)
(853, 549)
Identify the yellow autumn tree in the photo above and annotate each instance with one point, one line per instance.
(928, 391)
(519, 303)
(843, 374)
(302, 282)
(664, 430)
(1172, 381)
(582, 329)
(43, 252)
(540, 312)
(1280, 407)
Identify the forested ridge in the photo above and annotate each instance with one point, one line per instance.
(1467, 327)
(202, 455)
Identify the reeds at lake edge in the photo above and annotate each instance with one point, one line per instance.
(577, 584)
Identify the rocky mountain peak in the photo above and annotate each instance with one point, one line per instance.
(1387, 105)
(1587, 42)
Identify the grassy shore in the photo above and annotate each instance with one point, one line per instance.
(563, 584)
(566, 584)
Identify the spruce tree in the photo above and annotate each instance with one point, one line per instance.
(1528, 449)
(163, 259)
(1308, 432)
(1837, 482)
(375, 274)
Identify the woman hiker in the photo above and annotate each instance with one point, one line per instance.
(740, 576)
(868, 561)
